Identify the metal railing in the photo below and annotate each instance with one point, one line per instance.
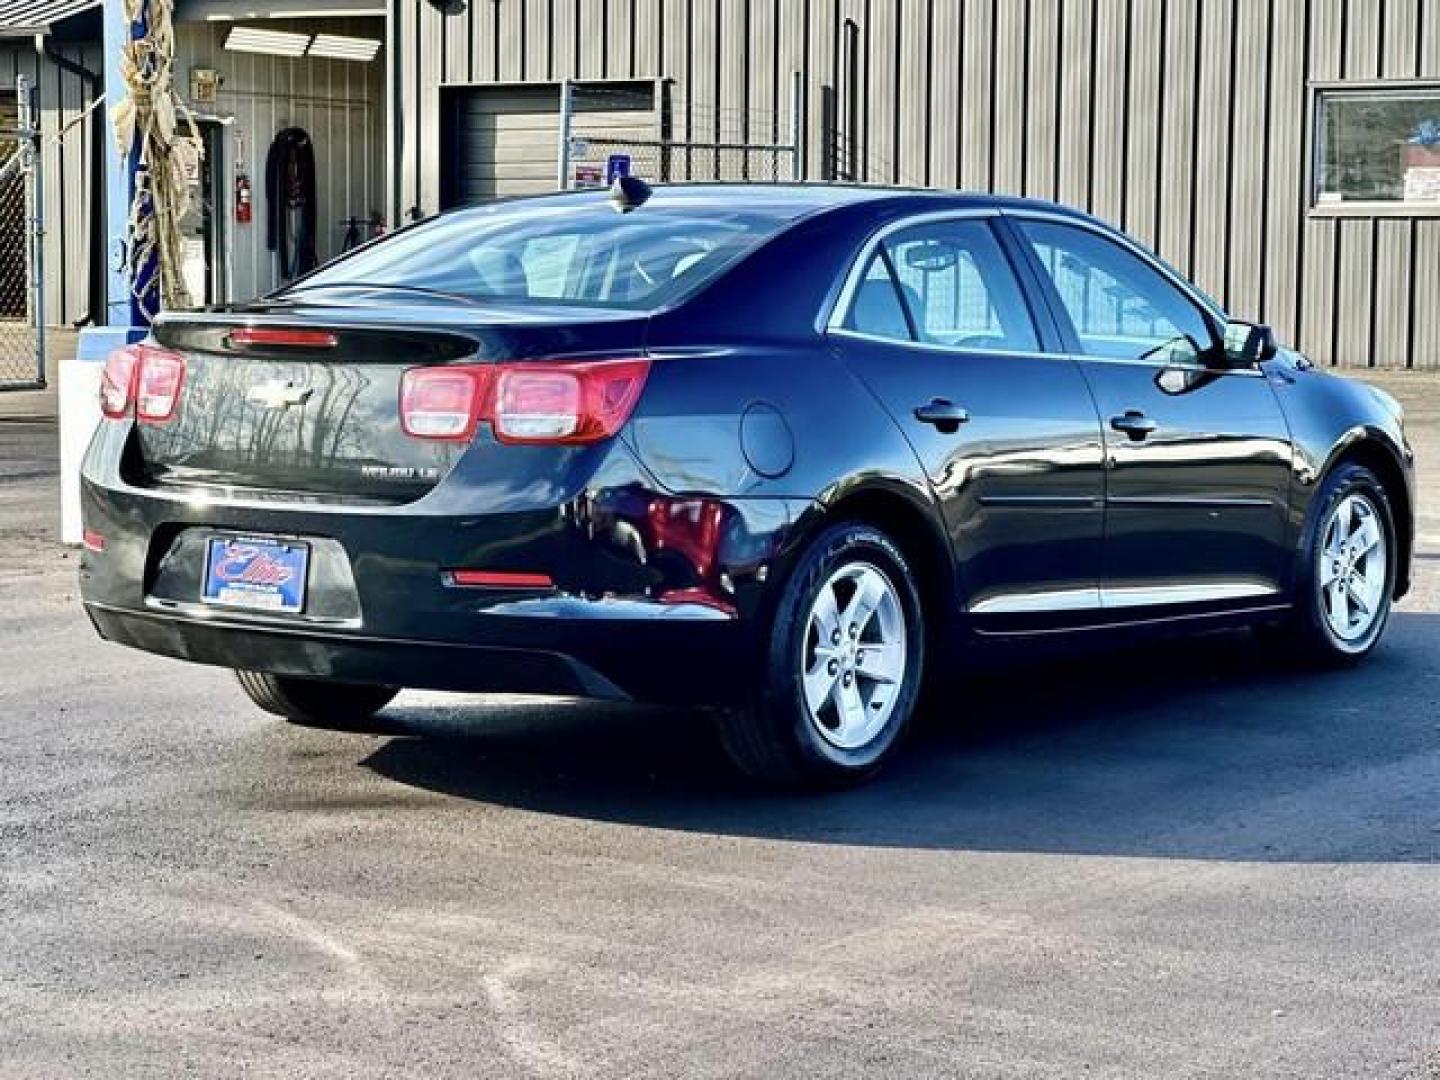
(651, 135)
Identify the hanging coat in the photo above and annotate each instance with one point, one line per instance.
(290, 210)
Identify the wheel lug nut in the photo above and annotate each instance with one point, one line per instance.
(835, 637)
(854, 631)
(849, 678)
(833, 667)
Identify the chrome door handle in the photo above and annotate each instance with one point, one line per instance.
(1135, 424)
(945, 415)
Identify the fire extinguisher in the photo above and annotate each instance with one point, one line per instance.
(242, 199)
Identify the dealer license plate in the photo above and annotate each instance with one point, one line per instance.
(256, 573)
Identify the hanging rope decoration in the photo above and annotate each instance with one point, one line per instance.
(152, 111)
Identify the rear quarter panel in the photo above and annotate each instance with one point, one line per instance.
(743, 373)
(776, 422)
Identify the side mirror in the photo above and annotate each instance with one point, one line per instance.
(1248, 344)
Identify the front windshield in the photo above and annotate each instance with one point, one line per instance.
(556, 251)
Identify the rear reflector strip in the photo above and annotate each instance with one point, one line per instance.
(277, 335)
(498, 579)
(93, 541)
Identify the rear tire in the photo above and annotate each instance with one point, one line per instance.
(318, 703)
(843, 668)
(1346, 581)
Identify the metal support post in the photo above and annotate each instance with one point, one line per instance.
(567, 113)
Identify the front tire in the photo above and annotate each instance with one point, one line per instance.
(1347, 575)
(317, 703)
(842, 670)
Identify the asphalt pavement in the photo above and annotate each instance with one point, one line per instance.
(1178, 861)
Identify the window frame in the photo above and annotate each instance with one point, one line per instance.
(1047, 334)
(1317, 93)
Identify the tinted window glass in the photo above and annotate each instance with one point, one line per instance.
(876, 308)
(580, 253)
(1119, 305)
(960, 288)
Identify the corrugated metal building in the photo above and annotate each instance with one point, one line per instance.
(1283, 153)
(1190, 123)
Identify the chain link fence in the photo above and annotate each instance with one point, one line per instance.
(22, 313)
(608, 132)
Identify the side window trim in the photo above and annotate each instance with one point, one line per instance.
(1070, 338)
(1067, 341)
(1047, 330)
(882, 249)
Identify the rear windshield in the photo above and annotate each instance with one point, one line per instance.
(554, 251)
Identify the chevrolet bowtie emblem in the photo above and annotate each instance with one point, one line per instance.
(278, 395)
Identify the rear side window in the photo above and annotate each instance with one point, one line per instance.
(540, 250)
(955, 284)
(876, 309)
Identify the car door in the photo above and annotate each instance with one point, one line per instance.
(935, 322)
(1198, 452)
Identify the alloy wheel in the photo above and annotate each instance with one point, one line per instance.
(1354, 568)
(853, 660)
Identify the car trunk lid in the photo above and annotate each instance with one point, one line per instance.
(304, 399)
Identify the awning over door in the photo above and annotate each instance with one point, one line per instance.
(25, 18)
(240, 10)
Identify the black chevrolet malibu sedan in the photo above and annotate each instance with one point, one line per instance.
(772, 449)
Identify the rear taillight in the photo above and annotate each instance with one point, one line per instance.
(145, 378)
(565, 403)
(157, 389)
(525, 403)
(117, 383)
(443, 402)
(536, 405)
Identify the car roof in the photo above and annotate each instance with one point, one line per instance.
(802, 199)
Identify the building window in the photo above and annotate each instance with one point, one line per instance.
(1378, 147)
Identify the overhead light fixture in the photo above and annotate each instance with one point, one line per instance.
(319, 13)
(340, 47)
(269, 42)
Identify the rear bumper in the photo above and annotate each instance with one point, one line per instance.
(655, 598)
(358, 658)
